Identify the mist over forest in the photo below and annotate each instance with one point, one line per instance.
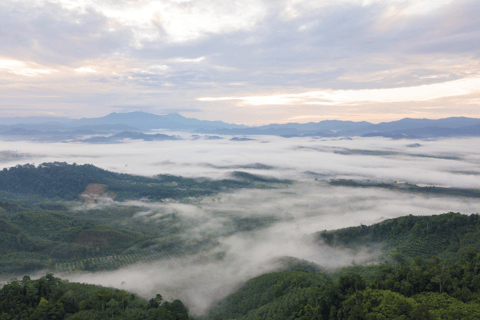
(248, 230)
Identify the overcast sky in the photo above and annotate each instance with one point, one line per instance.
(241, 61)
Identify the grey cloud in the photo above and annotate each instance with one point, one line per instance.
(343, 46)
(55, 35)
(337, 40)
(452, 30)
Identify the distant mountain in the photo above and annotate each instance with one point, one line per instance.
(148, 121)
(430, 132)
(408, 123)
(322, 126)
(137, 123)
(256, 131)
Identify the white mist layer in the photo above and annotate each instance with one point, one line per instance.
(289, 157)
(301, 210)
(294, 212)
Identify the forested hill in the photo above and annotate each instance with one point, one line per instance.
(32, 241)
(60, 180)
(449, 236)
(435, 275)
(51, 298)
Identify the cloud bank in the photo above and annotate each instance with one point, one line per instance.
(349, 59)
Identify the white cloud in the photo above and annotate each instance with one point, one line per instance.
(23, 68)
(180, 20)
(86, 70)
(342, 97)
(241, 53)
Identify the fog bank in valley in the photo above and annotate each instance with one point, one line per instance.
(297, 211)
(286, 215)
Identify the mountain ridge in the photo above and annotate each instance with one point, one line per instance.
(143, 122)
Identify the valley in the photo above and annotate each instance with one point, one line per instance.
(199, 230)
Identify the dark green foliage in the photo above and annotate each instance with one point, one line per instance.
(34, 240)
(423, 289)
(51, 298)
(64, 181)
(283, 293)
(408, 187)
(450, 236)
(50, 180)
(445, 285)
(254, 178)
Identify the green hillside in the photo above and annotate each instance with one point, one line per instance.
(421, 289)
(51, 298)
(37, 240)
(435, 274)
(62, 181)
(449, 236)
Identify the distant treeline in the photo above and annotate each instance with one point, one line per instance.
(408, 187)
(62, 181)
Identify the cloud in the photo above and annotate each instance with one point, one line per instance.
(23, 69)
(85, 70)
(51, 34)
(340, 97)
(176, 52)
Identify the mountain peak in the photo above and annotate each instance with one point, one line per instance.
(175, 115)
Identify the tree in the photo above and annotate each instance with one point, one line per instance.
(47, 311)
(155, 302)
(112, 306)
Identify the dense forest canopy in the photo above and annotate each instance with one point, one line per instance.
(35, 240)
(415, 289)
(51, 298)
(59, 180)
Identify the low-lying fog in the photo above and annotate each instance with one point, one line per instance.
(291, 212)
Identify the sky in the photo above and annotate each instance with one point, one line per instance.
(241, 61)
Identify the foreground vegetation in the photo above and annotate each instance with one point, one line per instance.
(51, 298)
(432, 271)
(419, 289)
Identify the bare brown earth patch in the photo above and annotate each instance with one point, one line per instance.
(94, 192)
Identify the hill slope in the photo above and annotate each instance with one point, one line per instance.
(446, 285)
(36, 240)
(53, 298)
(69, 181)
